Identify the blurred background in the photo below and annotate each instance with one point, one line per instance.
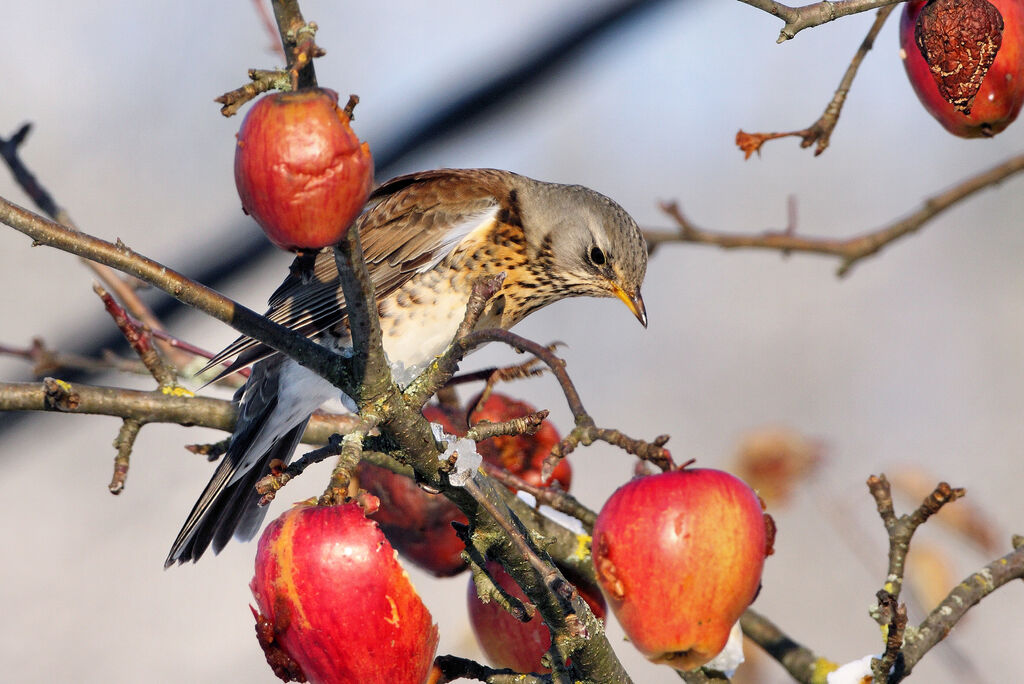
(912, 364)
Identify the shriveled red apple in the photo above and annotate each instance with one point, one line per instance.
(301, 172)
(960, 84)
(679, 557)
(333, 597)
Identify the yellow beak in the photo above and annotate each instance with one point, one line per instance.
(634, 301)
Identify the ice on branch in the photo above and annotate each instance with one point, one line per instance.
(466, 459)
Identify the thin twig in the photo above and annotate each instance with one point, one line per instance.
(341, 485)
(261, 80)
(820, 131)
(902, 528)
(523, 425)
(141, 342)
(530, 368)
(799, 18)
(487, 589)
(269, 485)
(849, 250)
(46, 361)
(123, 443)
(440, 373)
(556, 498)
(297, 40)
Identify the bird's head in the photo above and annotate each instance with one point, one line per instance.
(596, 248)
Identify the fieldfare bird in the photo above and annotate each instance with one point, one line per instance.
(427, 237)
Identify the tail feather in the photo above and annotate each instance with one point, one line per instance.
(275, 407)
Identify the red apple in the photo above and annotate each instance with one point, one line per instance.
(1001, 93)
(521, 455)
(679, 557)
(506, 641)
(334, 598)
(300, 170)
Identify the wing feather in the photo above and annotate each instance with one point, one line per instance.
(411, 225)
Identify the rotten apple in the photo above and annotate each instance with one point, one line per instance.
(333, 598)
(965, 60)
(679, 557)
(506, 641)
(301, 172)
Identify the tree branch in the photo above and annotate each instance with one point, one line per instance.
(149, 407)
(849, 250)
(119, 256)
(821, 130)
(962, 598)
(799, 18)
(800, 662)
(9, 150)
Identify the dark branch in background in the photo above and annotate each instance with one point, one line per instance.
(799, 18)
(820, 131)
(702, 676)
(800, 662)
(849, 250)
(48, 205)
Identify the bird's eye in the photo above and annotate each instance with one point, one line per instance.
(596, 255)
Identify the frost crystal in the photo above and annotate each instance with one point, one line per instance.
(467, 460)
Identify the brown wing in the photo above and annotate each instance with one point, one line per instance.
(410, 224)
